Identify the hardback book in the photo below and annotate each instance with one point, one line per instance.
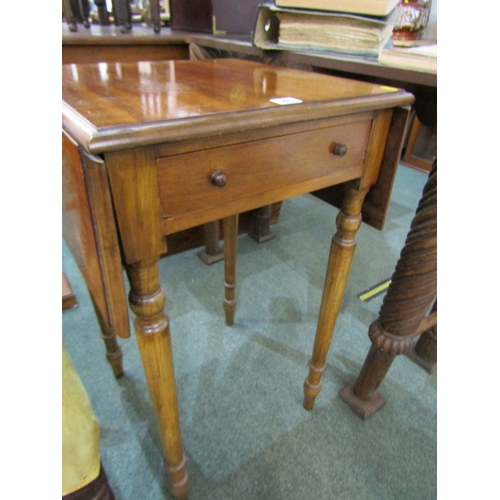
(363, 7)
(419, 58)
(293, 29)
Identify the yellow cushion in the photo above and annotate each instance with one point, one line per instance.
(80, 431)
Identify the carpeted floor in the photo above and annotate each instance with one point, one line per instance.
(245, 432)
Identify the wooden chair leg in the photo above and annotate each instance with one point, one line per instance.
(412, 290)
(230, 249)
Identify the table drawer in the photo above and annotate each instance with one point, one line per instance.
(258, 172)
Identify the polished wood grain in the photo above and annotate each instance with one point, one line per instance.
(185, 143)
(402, 316)
(135, 192)
(177, 100)
(241, 47)
(114, 354)
(147, 300)
(100, 53)
(339, 264)
(424, 351)
(89, 229)
(377, 200)
(252, 171)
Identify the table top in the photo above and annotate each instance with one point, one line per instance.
(110, 106)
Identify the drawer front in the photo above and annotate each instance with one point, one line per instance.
(258, 172)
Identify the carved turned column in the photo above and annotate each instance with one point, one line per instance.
(424, 351)
(339, 264)
(147, 300)
(412, 290)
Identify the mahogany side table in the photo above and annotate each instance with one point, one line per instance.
(152, 148)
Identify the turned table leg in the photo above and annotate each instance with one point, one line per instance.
(114, 353)
(230, 246)
(212, 252)
(147, 300)
(260, 229)
(412, 290)
(339, 263)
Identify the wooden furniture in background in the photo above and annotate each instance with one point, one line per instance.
(423, 352)
(102, 12)
(241, 47)
(218, 17)
(68, 296)
(403, 314)
(76, 11)
(150, 150)
(421, 147)
(106, 45)
(122, 15)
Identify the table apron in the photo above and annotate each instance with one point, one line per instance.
(258, 173)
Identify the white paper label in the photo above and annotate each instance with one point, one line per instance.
(283, 101)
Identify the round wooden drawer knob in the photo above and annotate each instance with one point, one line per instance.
(340, 150)
(219, 179)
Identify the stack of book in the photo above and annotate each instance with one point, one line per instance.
(418, 57)
(356, 27)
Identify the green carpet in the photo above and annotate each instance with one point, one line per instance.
(245, 432)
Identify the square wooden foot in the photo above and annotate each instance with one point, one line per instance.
(210, 259)
(261, 239)
(429, 366)
(68, 296)
(363, 409)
